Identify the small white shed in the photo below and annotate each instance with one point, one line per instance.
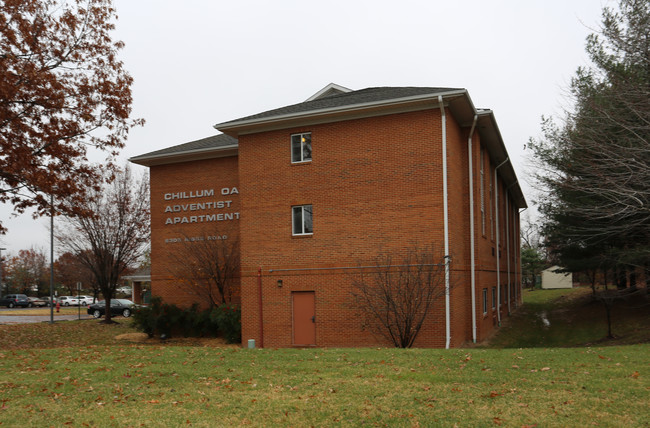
(552, 279)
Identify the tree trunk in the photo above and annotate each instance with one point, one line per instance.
(633, 278)
(621, 277)
(608, 310)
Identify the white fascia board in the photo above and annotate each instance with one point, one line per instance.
(433, 97)
(499, 153)
(327, 88)
(186, 156)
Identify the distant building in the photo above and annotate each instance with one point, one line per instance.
(553, 279)
(139, 282)
(317, 189)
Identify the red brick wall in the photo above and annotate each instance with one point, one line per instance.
(487, 251)
(376, 187)
(196, 176)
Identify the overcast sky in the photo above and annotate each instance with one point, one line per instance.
(201, 62)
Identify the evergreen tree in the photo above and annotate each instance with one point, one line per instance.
(594, 167)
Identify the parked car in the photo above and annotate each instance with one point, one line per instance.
(118, 307)
(68, 301)
(86, 300)
(46, 299)
(36, 301)
(11, 300)
(125, 290)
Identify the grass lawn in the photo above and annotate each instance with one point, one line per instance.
(571, 317)
(77, 373)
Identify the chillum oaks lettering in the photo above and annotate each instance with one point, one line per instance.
(183, 207)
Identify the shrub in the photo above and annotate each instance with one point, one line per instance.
(162, 318)
(228, 319)
(144, 317)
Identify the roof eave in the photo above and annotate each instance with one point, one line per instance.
(311, 117)
(493, 141)
(186, 156)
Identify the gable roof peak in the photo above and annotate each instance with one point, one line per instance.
(329, 90)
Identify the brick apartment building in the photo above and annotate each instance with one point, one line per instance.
(317, 190)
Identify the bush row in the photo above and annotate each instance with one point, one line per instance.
(169, 320)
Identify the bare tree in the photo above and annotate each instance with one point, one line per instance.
(396, 297)
(208, 264)
(112, 234)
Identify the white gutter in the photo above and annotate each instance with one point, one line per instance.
(471, 227)
(443, 115)
(431, 97)
(183, 156)
(498, 253)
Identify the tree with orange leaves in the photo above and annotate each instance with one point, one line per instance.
(63, 92)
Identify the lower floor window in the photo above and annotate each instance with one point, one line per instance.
(302, 219)
(485, 301)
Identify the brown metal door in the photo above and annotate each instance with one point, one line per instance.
(304, 318)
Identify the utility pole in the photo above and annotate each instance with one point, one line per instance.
(1, 250)
(52, 258)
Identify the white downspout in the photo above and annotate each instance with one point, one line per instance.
(471, 228)
(446, 221)
(496, 212)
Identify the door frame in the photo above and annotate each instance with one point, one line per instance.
(293, 317)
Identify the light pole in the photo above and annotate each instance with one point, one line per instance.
(1, 250)
(52, 258)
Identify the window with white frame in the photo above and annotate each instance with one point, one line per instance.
(302, 220)
(492, 208)
(485, 301)
(494, 297)
(482, 187)
(301, 147)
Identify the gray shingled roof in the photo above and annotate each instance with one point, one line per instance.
(214, 142)
(363, 96)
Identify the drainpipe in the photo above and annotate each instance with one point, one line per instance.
(446, 220)
(496, 212)
(471, 228)
(259, 289)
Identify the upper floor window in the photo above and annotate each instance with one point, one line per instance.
(301, 147)
(302, 220)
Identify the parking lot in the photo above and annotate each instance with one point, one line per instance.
(13, 316)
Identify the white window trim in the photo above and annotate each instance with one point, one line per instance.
(301, 149)
(482, 189)
(303, 220)
(494, 298)
(485, 301)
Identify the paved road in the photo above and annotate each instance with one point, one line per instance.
(25, 319)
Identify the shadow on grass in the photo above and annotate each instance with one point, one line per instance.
(573, 318)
